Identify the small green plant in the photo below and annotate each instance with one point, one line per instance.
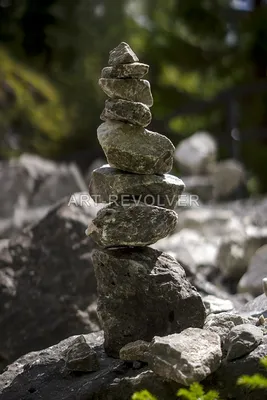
(255, 381)
(143, 395)
(195, 392)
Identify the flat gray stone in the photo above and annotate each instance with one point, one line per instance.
(215, 304)
(108, 184)
(128, 89)
(241, 340)
(187, 357)
(131, 225)
(122, 54)
(135, 149)
(134, 70)
(128, 111)
(142, 293)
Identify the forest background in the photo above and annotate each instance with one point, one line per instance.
(208, 63)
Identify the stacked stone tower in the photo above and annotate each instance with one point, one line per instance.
(141, 291)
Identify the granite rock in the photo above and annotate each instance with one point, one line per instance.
(108, 184)
(242, 339)
(131, 224)
(47, 283)
(128, 89)
(187, 357)
(128, 111)
(222, 324)
(143, 293)
(135, 149)
(81, 357)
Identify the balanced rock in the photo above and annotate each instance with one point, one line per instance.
(187, 357)
(110, 184)
(142, 293)
(128, 111)
(134, 70)
(122, 54)
(135, 149)
(128, 89)
(131, 224)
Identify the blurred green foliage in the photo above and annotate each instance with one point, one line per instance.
(194, 392)
(256, 381)
(197, 392)
(30, 103)
(203, 55)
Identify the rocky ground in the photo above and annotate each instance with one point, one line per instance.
(48, 294)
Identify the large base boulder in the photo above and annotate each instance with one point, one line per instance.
(143, 293)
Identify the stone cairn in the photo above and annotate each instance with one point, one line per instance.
(142, 292)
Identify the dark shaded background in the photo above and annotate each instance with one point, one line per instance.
(208, 72)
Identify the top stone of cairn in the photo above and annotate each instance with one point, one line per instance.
(122, 54)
